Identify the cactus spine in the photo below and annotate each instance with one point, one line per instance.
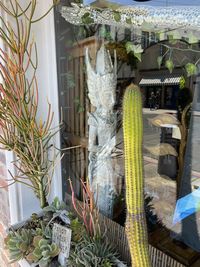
(133, 135)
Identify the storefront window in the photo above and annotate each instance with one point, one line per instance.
(171, 117)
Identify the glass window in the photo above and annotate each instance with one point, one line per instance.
(93, 117)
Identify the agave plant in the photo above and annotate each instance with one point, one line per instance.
(43, 252)
(19, 244)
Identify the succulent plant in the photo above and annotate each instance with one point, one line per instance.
(58, 208)
(92, 252)
(44, 251)
(43, 230)
(55, 206)
(19, 244)
(78, 230)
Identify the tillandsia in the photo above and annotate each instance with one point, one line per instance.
(87, 210)
(133, 134)
(21, 132)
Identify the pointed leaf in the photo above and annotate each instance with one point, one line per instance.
(169, 65)
(129, 47)
(191, 69)
(138, 56)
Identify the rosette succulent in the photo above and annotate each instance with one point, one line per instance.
(43, 252)
(19, 244)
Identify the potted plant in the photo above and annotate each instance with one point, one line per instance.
(23, 133)
(28, 137)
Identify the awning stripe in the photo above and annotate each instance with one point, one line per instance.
(164, 80)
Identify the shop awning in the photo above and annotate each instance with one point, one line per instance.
(161, 80)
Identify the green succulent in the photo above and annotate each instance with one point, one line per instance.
(92, 252)
(78, 230)
(19, 244)
(44, 251)
(58, 209)
(55, 206)
(44, 231)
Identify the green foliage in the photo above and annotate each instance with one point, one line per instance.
(135, 49)
(87, 19)
(161, 36)
(193, 39)
(55, 206)
(92, 252)
(19, 243)
(78, 230)
(122, 55)
(169, 65)
(117, 16)
(43, 252)
(128, 21)
(182, 82)
(43, 230)
(191, 69)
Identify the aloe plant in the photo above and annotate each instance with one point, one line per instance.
(18, 244)
(133, 134)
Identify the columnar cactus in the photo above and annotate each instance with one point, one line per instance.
(133, 135)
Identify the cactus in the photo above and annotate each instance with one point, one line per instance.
(43, 252)
(19, 244)
(133, 135)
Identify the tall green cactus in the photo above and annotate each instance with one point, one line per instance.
(133, 135)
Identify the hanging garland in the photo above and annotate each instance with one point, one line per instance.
(158, 17)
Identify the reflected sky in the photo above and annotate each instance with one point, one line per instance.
(154, 2)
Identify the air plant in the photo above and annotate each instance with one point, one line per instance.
(22, 133)
(87, 210)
